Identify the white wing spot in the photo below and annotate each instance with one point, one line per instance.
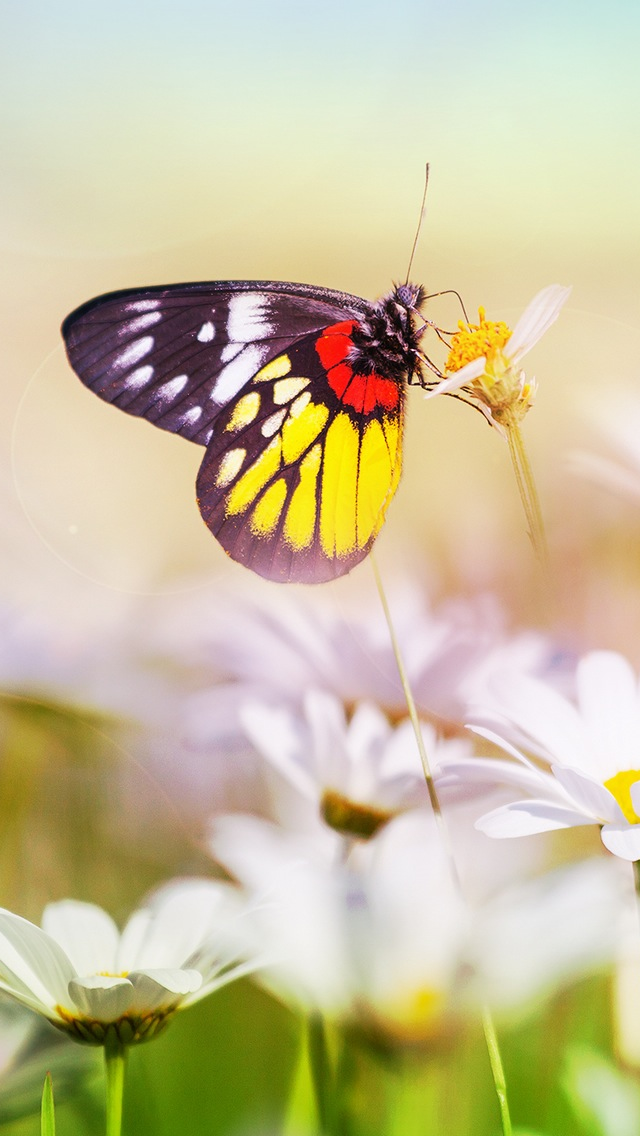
(206, 333)
(230, 466)
(230, 350)
(207, 437)
(143, 305)
(140, 323)
(237, 373)
(134, 352)
(248, 312)
(140, 377)
(171, 390)
(272, 424)
(191, 416)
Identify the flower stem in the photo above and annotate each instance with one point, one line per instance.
(487, 1021)
(528, 492)
(497, 1069)
(415, 722)
(114, 1059)
(321, 1073)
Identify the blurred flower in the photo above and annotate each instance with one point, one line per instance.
(619, 427)
(592, 748)
(384, 942)
(484, 359)
(278, 646)
(95, 983)
(356, 773)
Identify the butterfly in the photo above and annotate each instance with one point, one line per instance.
(297, 392)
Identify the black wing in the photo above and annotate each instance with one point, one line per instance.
(176, 355)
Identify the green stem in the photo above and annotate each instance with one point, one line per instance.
(528, 492)
(489, 1029)
(497, 1070)
(321, 1072)
(114, 1059)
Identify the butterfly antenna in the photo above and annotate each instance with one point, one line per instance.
(420, 220)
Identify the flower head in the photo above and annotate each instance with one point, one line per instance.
(592, 751)
(95, 983)
(484, 358)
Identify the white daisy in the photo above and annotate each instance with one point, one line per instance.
(591, 749)
(355, 772)
(484, 360)
(385, 943)
(98, 984)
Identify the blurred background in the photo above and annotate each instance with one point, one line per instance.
(150, 143)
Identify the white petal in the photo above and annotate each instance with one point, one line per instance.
(489, 772)
(104, 998)
(330, 753)
(591, 797)
(622, 840)
(273, 732)
(31, 962)
(537, 318)
(87, 935)
(543, 715)
(160, 989)
(466, 374)
(525, 818)
(174, 925)
(608, 698)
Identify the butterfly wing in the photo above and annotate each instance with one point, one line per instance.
(300, 470)
(303, 455)
(177, 355)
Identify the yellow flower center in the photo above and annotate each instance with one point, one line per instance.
(474, 340)
(351, 818)
(412, 1017)
(620, 787)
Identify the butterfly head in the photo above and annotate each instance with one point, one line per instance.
(409, 296)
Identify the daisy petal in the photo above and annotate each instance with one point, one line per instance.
(622, 840)
(101, 997)
(162, 989)
(608, 698)
(525, 818)
(87, 935)
(466, 374)
(30, 960)
(543, 310)
(590, 797)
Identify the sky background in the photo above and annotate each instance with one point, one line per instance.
(151, 143)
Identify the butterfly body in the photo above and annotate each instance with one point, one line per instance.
(296, 392)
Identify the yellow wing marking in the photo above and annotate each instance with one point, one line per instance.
(256, 477)
(375, 476)
(339, 483)
(393, 434)
(230, 466)
(276, 369)
(298, 433)
(286, 389)
(267, 512)
(300, 522)
(244, 411)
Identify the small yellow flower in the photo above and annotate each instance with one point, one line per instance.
(484, 359)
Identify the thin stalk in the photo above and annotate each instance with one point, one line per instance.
(321, 1072)
(497, 1070)
(491, 1037)
(415, 722)
(528, 492)
(114, 1060)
